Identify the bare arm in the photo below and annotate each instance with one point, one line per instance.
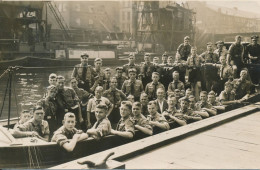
(211, 112)
(144, 130)
(126, 134)
(163, 125)
(203, 114)
(179, 121)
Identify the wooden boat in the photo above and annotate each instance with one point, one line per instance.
(40, 154)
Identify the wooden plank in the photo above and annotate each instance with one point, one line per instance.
(138, 147)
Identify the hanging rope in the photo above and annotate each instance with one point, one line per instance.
(15, 95)
(5, 72)
(7, 85)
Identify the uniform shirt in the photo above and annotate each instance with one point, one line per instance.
(42, 129)
(216, 103)
(188, 112)
(126, 67)
(78, 73)
(236, 52)
(62, 135)
(254, 50)
(93, 102)
(120, 81)
(209, 57)
(184, 51)
(144, 110)
(180, 65)
(175, 113)
(159, 118)
(134, 89)
(194, 62)
(241, 87)
(103, 127)
(126, 125)
(176, 85)
(221, 52)
(98, 79)
(147, 69)
(224, 96)
(115, 96)
(199, 105)
(224, 72)
(67, 98)
(151, 89)
(141, 121)
(49, 106)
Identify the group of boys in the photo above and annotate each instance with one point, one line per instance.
(144, 97)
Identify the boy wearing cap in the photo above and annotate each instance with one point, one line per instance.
(102, 127)
(36, 126)
(253, 53)
(119, 77)
(67, 100)
(50, 108)
(131, 65)
(125, 127)
(115, 96)
(67, 135)
(221, 49)
(100, 74)
(171, 114)
(93, 102)
(176, 84)
(140, 121)
(235, 55)
(155, 119)
(194, 63)
(227, 96)
(153, 86)
(133, 86)
(147, 69)
(84, 73)
(184, 48)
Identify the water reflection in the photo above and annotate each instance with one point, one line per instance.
(28, 87)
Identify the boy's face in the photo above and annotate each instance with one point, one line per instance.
(164, 58)
(25, 117)
(98, 93)
(152, 109)
(132, 75)
(160, 94)
(84, 60)
(188, 93)
(53, 81)
(193, 52)
(186, 42)
(175, 76)
(60, 83)
(136, 110)
(144, 100)
(243, 74)
(98, 64)
(169, 60)
(38, 115)
(69, 123)
(228, 88)
(131, 59)
(211, 98)
(222, 60)
(203, 97)
(184, 105)
(119, 72)
(177, 93)
(155, 78)
(146, 59)
(108, 74)
(74, 83)
(124, 111)
(192, 101)
(172, 101)
(100, 114)
(155, 61)
(52, 93)
(113, 83)
(209, 47)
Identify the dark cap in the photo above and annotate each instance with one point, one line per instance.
(133, 70)
(254, 37)
(98, 59)
(220, 42)
(84, 55)
(119, 68)
(102, 106)
(107, 69)
(165, 54)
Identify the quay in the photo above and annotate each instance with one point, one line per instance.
(216, 142)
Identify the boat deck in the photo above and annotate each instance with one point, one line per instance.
(232, 145)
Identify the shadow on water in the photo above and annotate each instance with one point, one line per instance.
(28, 87)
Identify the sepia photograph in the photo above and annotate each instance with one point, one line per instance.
(129, 84)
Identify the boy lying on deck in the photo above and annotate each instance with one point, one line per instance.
(67, 135)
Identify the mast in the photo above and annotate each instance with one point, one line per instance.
(10, 96)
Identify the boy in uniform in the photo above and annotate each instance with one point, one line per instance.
(119, 77)
(180, 66)
(140, 122)
(24, 117)
(67, 135)
(153, 86)
(93, 102)
(115, 96)
(100, 74)
(189, 115)
(204, 106)
(176, 84)
(147, 69)
(131, 65)
(107, 82)
(133, 86)
(174, 119)
(242, 86)
(155, 119)
(221, 49)
(215, 104)
(144, 101)
(184, 48)
(36, 126)
(227, 96)
(84, 73)
(125, 127)
(102, 127)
